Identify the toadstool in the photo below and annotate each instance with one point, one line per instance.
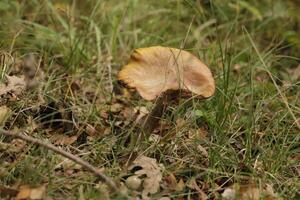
(156, 72)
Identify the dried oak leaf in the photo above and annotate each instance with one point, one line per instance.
(152, 172)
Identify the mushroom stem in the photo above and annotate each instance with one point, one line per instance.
(155, 114)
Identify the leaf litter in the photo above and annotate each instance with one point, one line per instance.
(32, 193)
(12, 88)
(148, 174)
(249, 192)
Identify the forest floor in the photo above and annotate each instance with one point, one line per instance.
(58, 83)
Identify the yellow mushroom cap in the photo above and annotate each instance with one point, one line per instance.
(154, 70)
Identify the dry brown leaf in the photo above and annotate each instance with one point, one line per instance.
(127, 113)
(201, 134)
(154, 70)
(153, 173)
(14, 86)
(202, 150)
(193, 185)
(60, 139)
(172, 183)
(249, 192)
(26, 192)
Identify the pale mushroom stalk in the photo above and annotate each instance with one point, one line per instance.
(156, 72)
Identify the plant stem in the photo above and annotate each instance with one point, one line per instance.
(154, 116)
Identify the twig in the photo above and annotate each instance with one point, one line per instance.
(68, 155)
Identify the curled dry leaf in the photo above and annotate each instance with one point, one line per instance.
(154, 70)
(152, 172)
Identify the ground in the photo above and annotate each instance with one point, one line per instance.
(62, 59)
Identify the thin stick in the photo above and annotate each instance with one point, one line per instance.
(68, 155)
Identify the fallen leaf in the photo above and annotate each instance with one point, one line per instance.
(38, 193)
(127, 113)
(13, 86)
(193, 185)
(61, 139)
(26, 192)
(202, 150)
(249, 192)
(153, 173)
(172, 183)
(201, 134)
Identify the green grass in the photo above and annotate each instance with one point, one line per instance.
(252, 48)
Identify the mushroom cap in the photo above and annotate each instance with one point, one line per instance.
(154, 70)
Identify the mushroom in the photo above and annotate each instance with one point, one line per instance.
(158, 72)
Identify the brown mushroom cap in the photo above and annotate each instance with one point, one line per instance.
(154, 70)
